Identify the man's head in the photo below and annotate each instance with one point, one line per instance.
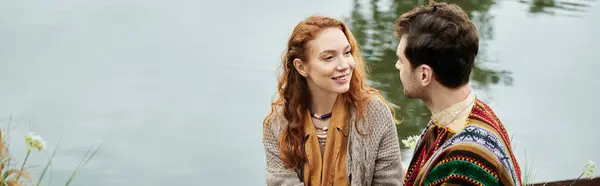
(437, 48)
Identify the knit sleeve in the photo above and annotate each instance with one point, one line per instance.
(388, 163)
(276, 173)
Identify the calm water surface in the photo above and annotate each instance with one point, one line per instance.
(176, 91)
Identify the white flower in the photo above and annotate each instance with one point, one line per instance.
(411, 141)
(35, 142)
(589, 169)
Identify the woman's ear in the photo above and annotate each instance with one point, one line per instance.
(300, 67)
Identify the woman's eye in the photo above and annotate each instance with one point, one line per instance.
(348, 53)
(329, 58)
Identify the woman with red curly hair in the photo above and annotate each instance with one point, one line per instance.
(327, 126)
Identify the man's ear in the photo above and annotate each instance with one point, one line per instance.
(300, 67)
(425, 75)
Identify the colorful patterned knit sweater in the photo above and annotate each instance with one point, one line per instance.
(480, 154)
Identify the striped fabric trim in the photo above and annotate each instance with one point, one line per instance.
(423, 133)
(484, 113)
(456, 178)
(430, 141)
(464, 163)
(487, 140)
(479, 162)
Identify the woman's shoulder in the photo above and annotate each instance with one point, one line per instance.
(275, 120)
(378, 116)
(376, 101)
(377, 106)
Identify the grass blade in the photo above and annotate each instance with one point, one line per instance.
(49, 162)
(85, 160)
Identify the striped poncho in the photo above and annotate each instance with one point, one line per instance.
(479, 154)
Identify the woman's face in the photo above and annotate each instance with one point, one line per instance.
(329, 62)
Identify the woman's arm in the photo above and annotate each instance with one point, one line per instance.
(388, 163)
(277, 174)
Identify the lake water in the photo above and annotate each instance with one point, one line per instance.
(176, 91)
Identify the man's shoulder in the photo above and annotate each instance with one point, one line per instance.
(482, 112)
(479, 139)
(478, 132)
(481, 146)
(481, 149)
(483, 116)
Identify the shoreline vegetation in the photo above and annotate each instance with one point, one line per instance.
(16, 173)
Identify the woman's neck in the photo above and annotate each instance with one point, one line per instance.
(322, 102)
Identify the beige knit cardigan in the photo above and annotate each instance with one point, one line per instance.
(372, 159)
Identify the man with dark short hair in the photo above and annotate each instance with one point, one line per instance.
(464, 143)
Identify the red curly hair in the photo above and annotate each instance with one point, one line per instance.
(293, 94)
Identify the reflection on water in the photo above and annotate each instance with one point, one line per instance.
(554, 7)
(374, 29)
